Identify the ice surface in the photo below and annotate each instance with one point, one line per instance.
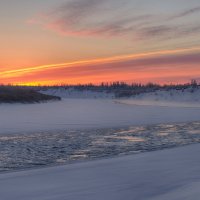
(23, 151)
(86, 113)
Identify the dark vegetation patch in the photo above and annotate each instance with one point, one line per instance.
(16, 94)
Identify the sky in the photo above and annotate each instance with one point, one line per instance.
(93, 41)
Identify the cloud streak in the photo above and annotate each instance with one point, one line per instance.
(181, 62)
(115, 59)
(186, 13)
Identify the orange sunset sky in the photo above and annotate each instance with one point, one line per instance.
(92, 41)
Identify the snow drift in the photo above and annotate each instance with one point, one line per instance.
(169, 174)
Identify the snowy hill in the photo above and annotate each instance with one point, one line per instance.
(189, 95)
(78, 94)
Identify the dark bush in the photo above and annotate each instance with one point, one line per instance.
(11, 94)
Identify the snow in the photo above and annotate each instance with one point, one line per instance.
(173, 98)
(144, 102)
(168, 174)
(78, 94)
(190, 95)
(87, 113)
(162, 175)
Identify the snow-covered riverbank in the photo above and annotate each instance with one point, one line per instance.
(169, 174)
(172, 98)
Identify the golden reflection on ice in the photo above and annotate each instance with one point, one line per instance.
(128, 138)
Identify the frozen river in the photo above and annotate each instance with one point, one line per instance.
(54, 133)
(22, 151)
(87, 113)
